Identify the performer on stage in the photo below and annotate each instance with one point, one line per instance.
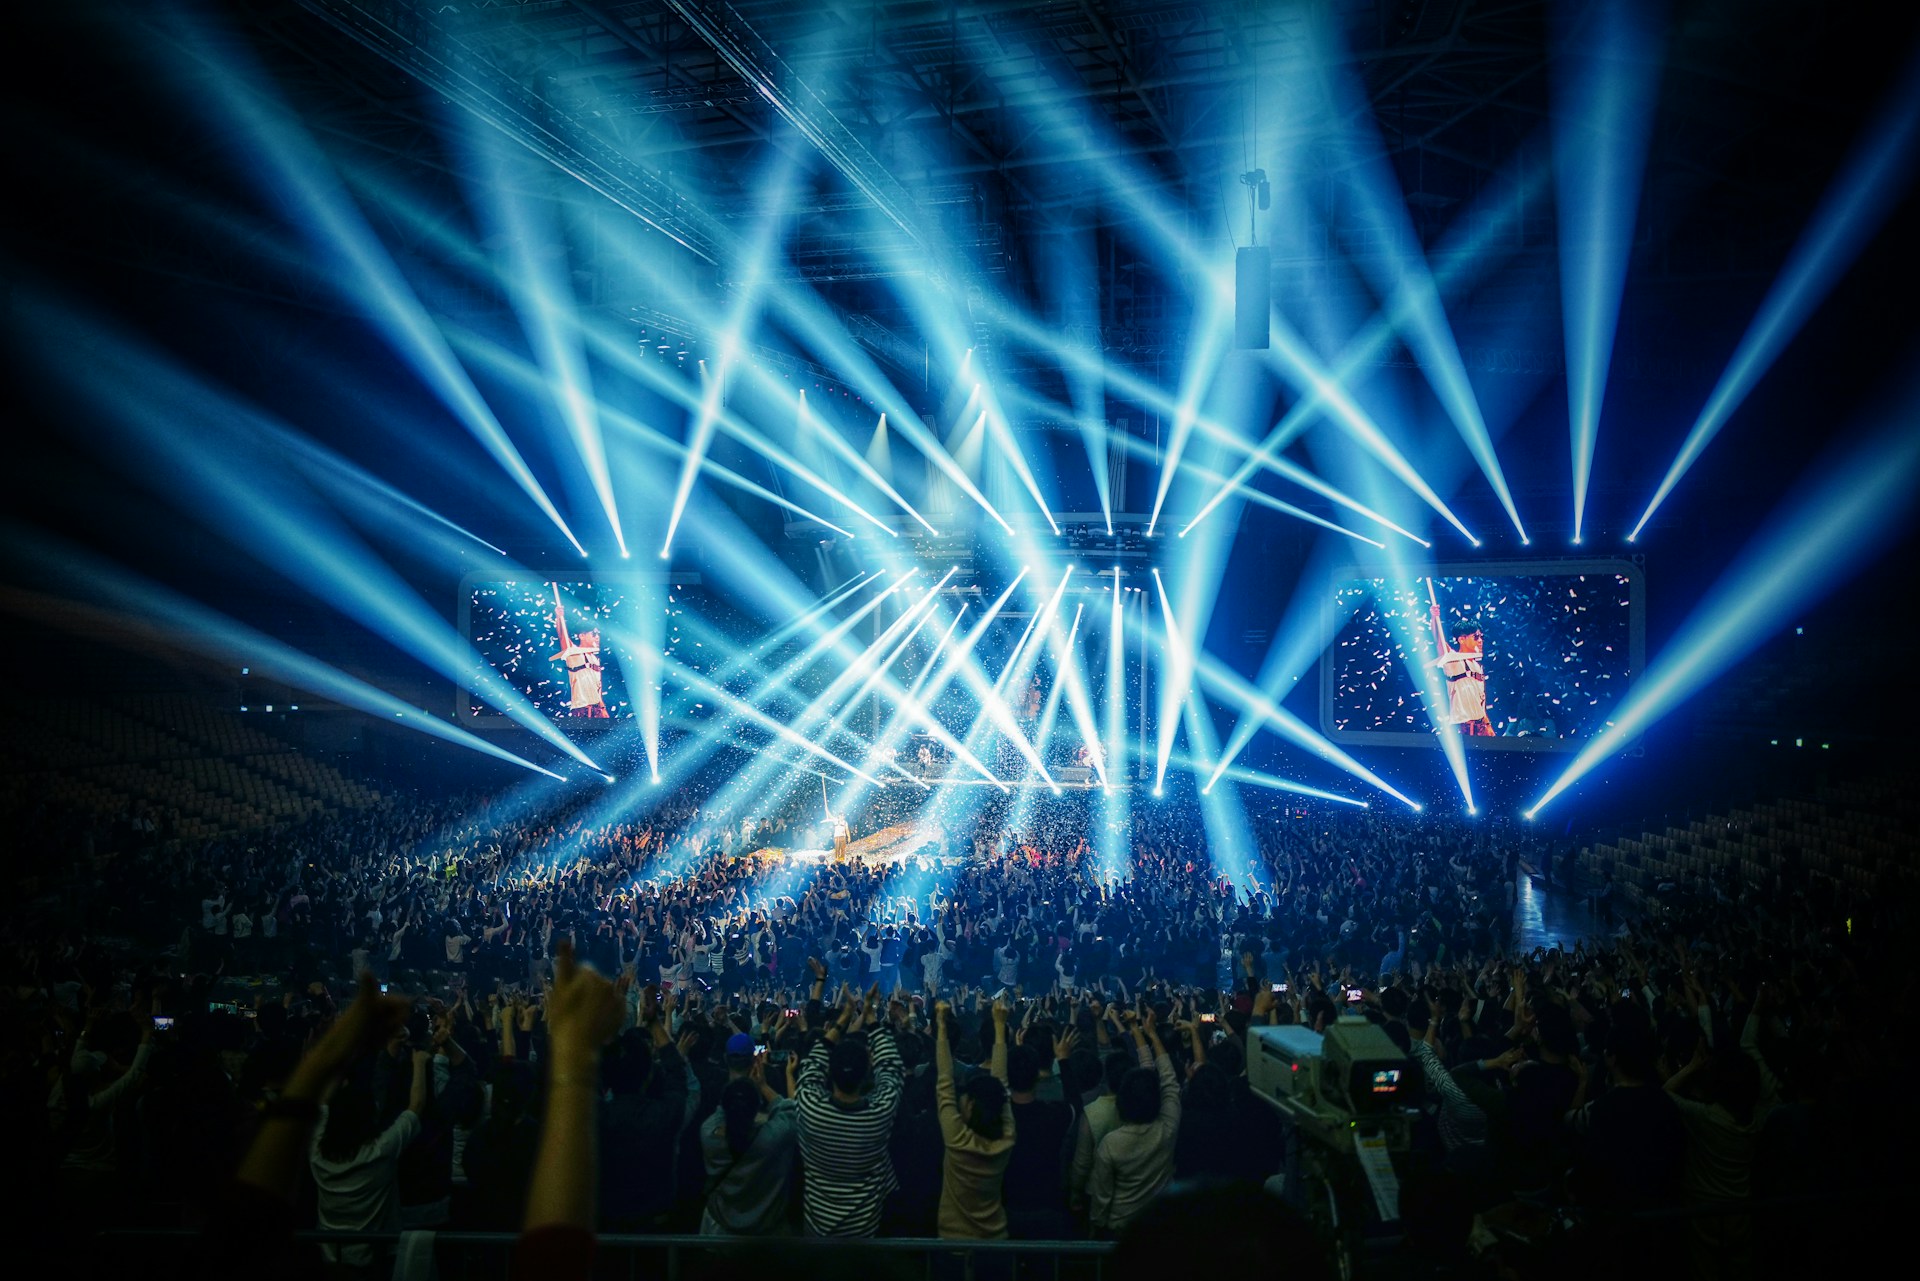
(839, 822)
(582, 658)
(1466, 677)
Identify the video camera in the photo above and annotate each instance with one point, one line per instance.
(1332, 1083)
(1354, 1092)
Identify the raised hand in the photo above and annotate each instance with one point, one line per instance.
(584, 1009)
(362, 1028)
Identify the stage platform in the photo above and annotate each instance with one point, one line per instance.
(894, 844)
(1065, 780)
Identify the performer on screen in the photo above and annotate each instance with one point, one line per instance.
(582, 658)
(1466, 677)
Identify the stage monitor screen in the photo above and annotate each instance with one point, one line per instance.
(571, 646)
(1521, 657)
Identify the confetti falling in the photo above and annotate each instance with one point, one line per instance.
(1557, 652)
(512, 627)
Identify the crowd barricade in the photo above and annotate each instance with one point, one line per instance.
(486, 1256)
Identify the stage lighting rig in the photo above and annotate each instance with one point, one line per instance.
(1261, 191)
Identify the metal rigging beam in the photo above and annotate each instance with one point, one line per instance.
(414, 40)
(757, 62)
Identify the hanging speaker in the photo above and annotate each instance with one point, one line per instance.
(1252, 297)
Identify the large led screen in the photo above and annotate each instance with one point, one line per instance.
(571, 646)
(1525, 657)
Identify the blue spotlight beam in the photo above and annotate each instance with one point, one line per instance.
(1204, 354)
(343, 476)
(1080, 707)
(1860, 197)
(1602, 120)
(641, 621)
(1025, 655)
(1465, 254)
(1144, 392)
(659, 379)
(182, 623)
(1808, 547)
(1272, 782)
(997, 713)
(507, 364)
(1237, 690)
(793, 627)
(1176, 683)
(544, 302)
(216, 473)
(767, 239)
(1229, 843)
(825, 642)
(1085, 388)
(748, 711)
(958, 662)
(751, 708)
(616, 350)
(760, 577)
(1296, 360)
(1370, 176)
(993, 707)
(919, 612)
(1290, 355)
(1002, 436)
(698, 438)
(819, 327)
(709, 737)
(1050, 713)
(909, 704)
(298, 176)
(1143, 450)
(1115, 807)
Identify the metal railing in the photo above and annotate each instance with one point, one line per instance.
(480, 1256)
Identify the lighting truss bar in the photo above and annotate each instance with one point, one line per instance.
(426, 49)
(757, 62)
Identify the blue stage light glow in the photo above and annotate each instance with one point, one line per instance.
(219, 475)
(1824, 532)
(179, 622)
(1606, 82)
(1465, 253)
(1857, 201)
(283, 157)
(1237, 690)
(1400, 271)
(542, 297)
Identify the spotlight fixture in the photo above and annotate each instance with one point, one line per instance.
(1255, 180)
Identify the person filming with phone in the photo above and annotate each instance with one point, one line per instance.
(751, 1145)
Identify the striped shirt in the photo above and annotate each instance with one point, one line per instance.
(1463, 1123)
(843, 1147)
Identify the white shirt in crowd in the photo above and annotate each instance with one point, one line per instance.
(362, 1193)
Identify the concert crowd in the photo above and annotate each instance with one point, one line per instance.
(490, 1014)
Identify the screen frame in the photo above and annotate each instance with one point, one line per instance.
(1630, 569)
(463, 691)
